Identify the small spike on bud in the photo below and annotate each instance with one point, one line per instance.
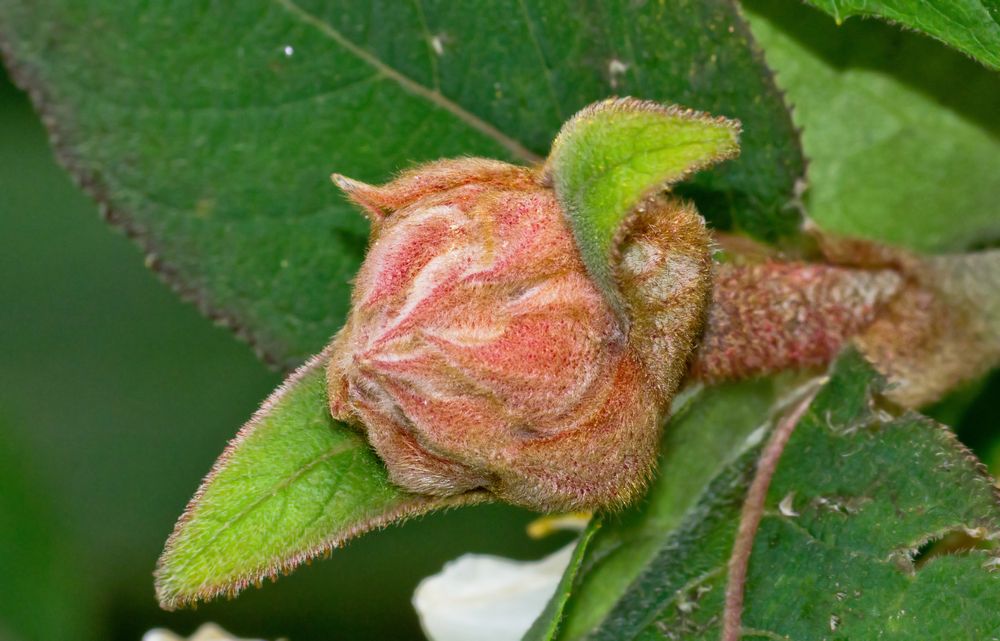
(361, 194)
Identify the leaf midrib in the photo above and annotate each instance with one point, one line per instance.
(284, 484)
(432, 96)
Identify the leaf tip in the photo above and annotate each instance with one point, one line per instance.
(616, 154)
(618, 110)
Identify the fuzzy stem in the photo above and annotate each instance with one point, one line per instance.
(753, 511)
(772, 316)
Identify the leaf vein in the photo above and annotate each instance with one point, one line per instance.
(437, 99)
(285, 483)
(546, 69)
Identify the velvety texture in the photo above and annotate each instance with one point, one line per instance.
(480, 353)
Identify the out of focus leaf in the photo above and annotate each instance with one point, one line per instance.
(861, 490)
(902, 134)
(293, 484)
(208, 130)
(41, 597)
(972, 26)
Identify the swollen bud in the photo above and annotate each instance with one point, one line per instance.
(479, 353)
(504, 337)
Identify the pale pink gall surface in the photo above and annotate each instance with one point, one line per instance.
(479, 353)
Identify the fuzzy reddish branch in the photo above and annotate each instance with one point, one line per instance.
(926, 323)
(771, 316)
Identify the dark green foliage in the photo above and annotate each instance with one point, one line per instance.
(209, 130)
(972, 26)
(861, 489)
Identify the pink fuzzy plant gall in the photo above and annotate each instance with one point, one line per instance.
(480, 354)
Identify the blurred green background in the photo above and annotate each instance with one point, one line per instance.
(115, 398)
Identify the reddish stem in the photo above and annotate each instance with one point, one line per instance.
(753, 510)
(772, 316)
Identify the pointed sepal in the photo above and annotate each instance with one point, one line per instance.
(292, 485)
(613, 154)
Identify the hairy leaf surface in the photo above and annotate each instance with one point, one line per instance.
(611, 155)
(293, 484)
(844, 550)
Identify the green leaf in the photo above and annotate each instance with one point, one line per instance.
(860, 494)
(611, 155)
(293, 484)
(546, 625)
(902, 134)
(209, 130)
(972, 26)
(710, 429)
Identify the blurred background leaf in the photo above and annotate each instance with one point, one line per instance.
(210, 129)
(901, 133)
(972, 26)
(41, 595)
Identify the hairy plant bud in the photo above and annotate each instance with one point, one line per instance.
(523, 330)
(479, 353)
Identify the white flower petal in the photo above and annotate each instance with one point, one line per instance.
(207, 632)
(488, 598)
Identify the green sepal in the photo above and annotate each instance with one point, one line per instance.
(293, 484)
(611, 155)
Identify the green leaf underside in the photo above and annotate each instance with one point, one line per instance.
(610, 156)
(859, 489)
(546, 625)
(972, 26)
(901, 133)
(293, 484)
(210, 130)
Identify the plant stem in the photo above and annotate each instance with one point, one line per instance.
(753, 510)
